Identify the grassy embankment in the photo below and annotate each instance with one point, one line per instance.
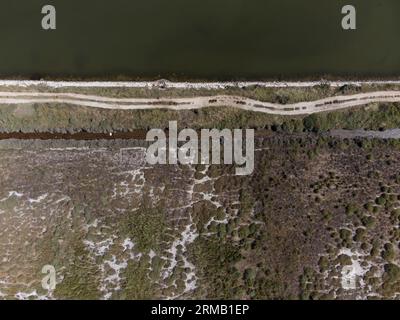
(64, 118)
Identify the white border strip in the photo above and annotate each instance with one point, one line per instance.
(186, 85)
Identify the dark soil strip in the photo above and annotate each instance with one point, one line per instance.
(134, 135)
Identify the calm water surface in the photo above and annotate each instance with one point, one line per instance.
(203, 39)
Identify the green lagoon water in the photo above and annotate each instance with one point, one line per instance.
(200, 39)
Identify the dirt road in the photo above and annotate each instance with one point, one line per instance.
(309, 107)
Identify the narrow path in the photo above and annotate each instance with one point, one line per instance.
(177, 104)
